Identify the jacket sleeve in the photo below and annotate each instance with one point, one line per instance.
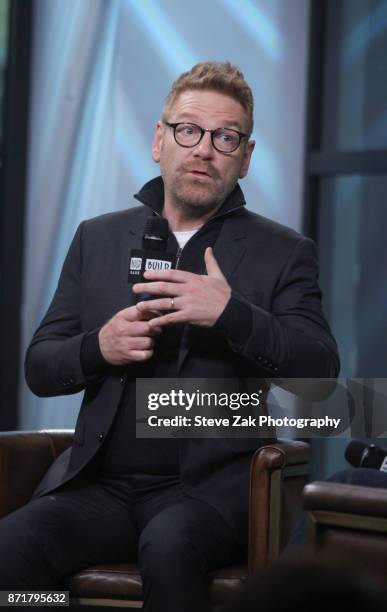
(53, 364)
(293, 339)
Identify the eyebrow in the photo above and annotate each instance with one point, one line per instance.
(188, 118)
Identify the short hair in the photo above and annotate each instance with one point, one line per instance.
(222, 77)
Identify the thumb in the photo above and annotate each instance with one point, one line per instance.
(212, 266)
(131, 313)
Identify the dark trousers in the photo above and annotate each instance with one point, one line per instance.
(176, 540)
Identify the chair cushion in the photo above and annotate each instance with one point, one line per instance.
(110, 581)
(123, 581)
(226, 583)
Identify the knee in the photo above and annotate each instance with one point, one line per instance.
(16, 532)
(361, 476)
(22, 560)
(167, 551)
(343, 476)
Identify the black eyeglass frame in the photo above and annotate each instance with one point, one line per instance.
(241, 135)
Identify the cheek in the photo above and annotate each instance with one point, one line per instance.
(232, 170)
(169, 163)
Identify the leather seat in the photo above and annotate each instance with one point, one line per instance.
(277, 477)
(348, 523)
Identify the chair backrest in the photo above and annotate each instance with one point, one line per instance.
(24, 459)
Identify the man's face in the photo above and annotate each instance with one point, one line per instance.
(198, 179)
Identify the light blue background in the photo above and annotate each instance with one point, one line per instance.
(101, 71)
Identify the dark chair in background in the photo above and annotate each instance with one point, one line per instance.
(278, 475)
(348, 522)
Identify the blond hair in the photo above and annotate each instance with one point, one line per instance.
(222, 77)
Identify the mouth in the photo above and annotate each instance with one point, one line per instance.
(199, 173)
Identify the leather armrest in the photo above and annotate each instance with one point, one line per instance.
(277, 476)
(24, 458)
(280, 454)
(345, 498)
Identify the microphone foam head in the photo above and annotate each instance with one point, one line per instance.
(354, 452)
(156, 228)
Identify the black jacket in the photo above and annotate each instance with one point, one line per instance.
(273, 273)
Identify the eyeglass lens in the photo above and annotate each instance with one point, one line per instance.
(223, 139)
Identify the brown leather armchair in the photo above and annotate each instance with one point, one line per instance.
(348, 524)
(278, 475)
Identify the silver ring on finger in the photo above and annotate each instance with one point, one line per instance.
(172, 303)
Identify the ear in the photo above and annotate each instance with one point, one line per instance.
(157, 141)
(246, 158)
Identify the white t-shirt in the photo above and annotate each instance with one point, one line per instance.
(183, 237)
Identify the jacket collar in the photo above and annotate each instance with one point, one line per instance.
(152, 195)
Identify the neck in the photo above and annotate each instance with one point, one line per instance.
(179, 219)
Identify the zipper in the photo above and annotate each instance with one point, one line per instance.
(178, 255)
(180, 250)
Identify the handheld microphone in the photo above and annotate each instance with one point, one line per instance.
(360, 454)
(153, 255)
(155, 236)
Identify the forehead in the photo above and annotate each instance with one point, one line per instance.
(208, 108)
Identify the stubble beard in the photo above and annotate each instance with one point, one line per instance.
(196, 200)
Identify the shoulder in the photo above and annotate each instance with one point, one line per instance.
(263, 230)
(116, 219)
(110, 229)
(113, 226)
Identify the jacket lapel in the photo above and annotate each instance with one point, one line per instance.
(231, 244)
(229, 251)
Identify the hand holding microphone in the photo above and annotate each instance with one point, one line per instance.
(165, 296)
(128, 337)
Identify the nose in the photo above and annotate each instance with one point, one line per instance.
(204, 149)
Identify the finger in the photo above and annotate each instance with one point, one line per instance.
(136, 328)
(147, 315)
(174, 276)
(129, 314)
(157, 305)
(158, 288)
(168, 319)
(140, 355)
(140, 343)
(212, 266)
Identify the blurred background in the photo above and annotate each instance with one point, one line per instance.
(82, 84)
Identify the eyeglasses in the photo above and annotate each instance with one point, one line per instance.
(224, 140)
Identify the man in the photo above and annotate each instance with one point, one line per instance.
(244, 302)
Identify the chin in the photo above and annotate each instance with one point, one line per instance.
(199, 195)
(196, 204)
